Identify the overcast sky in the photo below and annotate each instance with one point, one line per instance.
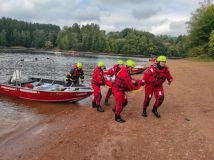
(155, 16)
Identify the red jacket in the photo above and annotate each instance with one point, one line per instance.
(114, 70)
(98, 77)
(124, 81)
(155, 76)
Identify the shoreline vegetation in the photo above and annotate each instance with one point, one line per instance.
(79, 53)
(90, 39)
(67, 52)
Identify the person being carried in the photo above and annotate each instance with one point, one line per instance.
(75, 74)
(112, 72)
(153, 78)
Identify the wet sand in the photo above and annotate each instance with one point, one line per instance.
(185, 130)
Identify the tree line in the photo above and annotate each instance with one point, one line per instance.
(200, 40)
(89, 37)
(20, 33)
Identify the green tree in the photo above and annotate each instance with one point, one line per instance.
(48, 45)
(172, 51)
(62, 39)
(27, 34)
(38, 38)
(200, 28)
(211, 44)
(3, 40)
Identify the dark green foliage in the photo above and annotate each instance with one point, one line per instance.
(201, 26)
(3, 40)
(87, 38)
(211, 45)
(19, 33)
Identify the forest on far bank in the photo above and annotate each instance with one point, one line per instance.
(90, 38)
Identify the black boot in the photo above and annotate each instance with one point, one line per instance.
(99, 108)
(154, 110)
(144, 114)
(119, 119)
(94, 105)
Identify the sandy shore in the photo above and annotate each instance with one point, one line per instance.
(184, 132)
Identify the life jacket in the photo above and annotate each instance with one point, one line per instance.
(116, 69)
(158, 76)
(98, 76)
(113, 71)
(75, 73)
(120, 79)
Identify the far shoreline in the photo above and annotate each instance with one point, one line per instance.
(66, 52)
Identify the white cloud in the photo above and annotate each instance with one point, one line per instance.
(107, 28)
(177, 27)
(145, 13)
(161, 29)
(82, 14)
(158, 17)
(121, 2)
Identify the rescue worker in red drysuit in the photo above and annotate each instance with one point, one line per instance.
(123, 83)
(112, 72)
(75, 73)
(96, 82)
(153, 78)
